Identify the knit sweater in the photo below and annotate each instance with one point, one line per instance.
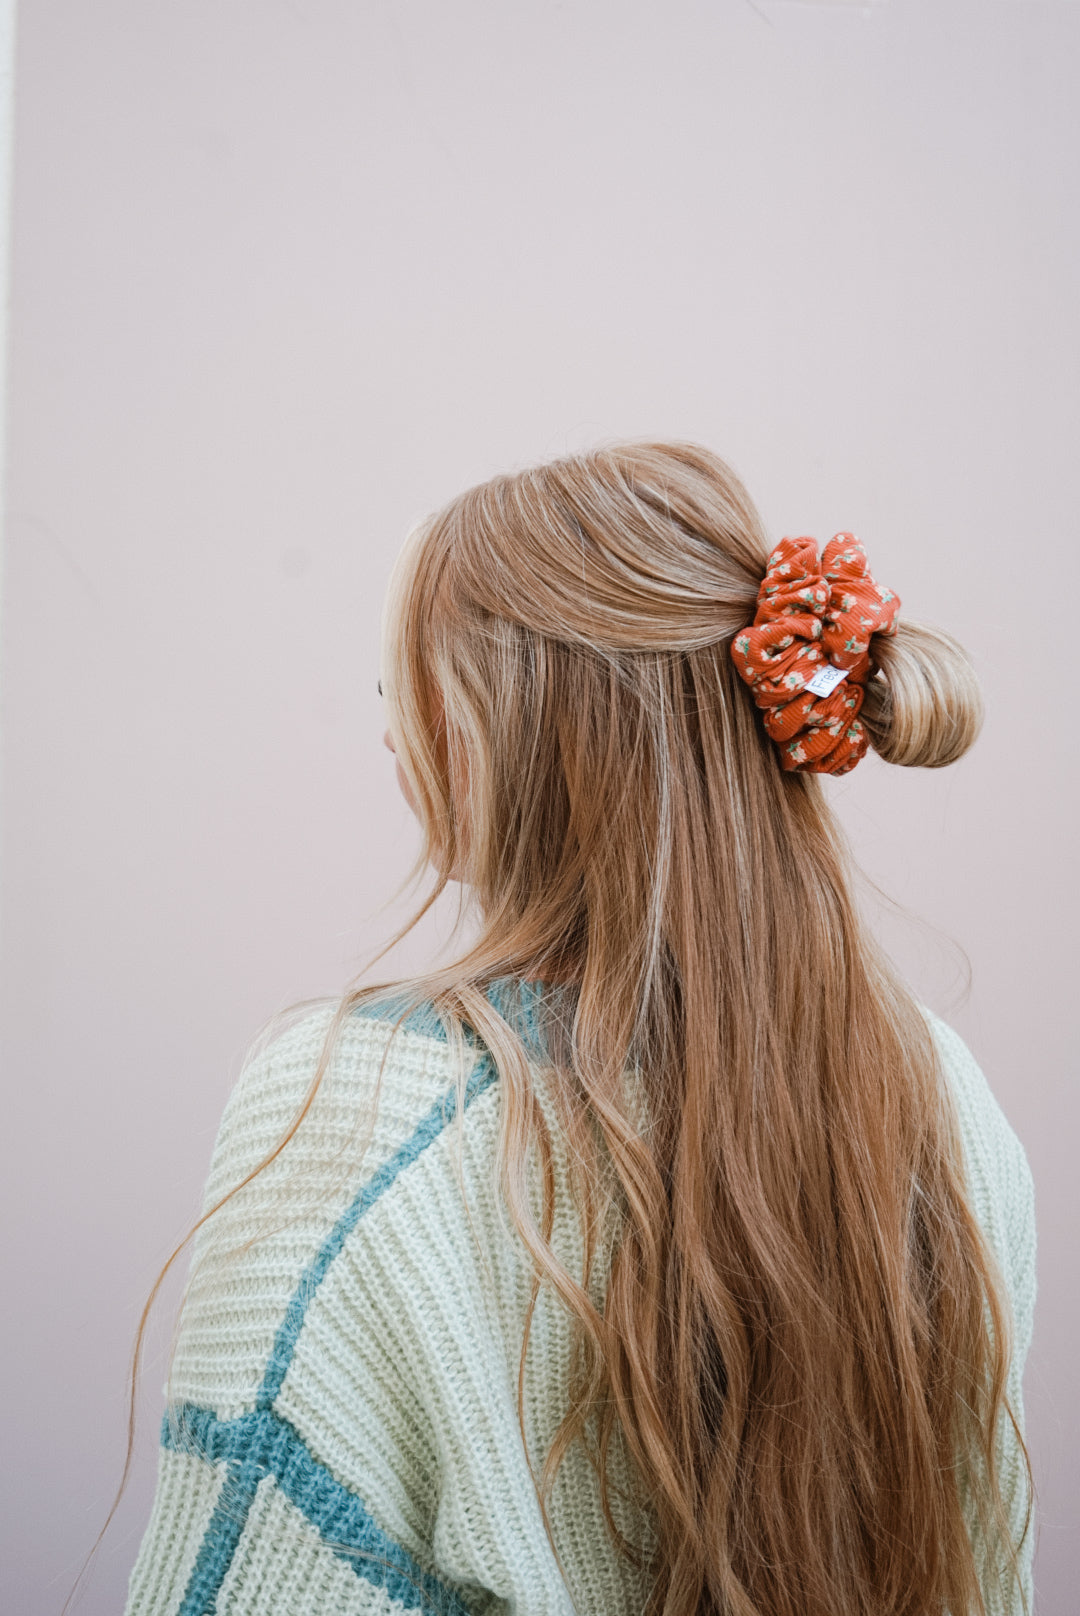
(342, 1433)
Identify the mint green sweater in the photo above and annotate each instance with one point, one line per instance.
(342, 1432)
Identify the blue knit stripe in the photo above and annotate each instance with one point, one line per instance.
(517, 1001)
(284, 1455)
(422, 1019)
(261, 1444)
(219, 1540)
(428, 1130)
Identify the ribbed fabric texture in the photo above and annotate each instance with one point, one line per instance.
(341, 1433)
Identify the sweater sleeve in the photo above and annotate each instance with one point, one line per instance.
(1003, 1200)
(297, 1474)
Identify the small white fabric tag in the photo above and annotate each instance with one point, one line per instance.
(825, 680)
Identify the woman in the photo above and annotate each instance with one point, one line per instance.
(662, 1253)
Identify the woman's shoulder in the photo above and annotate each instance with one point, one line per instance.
(989, 1137)
(334, 1115)
(998, 1172)
(385, 1073)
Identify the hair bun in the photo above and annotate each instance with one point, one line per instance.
(923, 707)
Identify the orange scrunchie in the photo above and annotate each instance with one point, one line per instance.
(812, 616)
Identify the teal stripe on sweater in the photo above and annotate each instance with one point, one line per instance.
(442, 1112)
(517, 1001)
(514, 999)
(262, 1444)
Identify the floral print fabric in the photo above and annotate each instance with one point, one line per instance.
(814, 615)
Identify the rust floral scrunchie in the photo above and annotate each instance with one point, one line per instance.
(806, 656)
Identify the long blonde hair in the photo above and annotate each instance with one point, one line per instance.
(803, 1342)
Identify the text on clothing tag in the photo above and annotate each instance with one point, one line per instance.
(826, 680)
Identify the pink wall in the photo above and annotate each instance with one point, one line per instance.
(288, 274)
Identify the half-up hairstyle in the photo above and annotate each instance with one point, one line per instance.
(803, 1342)
(791, 1333)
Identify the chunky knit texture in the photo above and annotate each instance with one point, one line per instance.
(342, 1432)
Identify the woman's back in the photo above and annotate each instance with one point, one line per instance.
(719, 1249)
(343, 1433)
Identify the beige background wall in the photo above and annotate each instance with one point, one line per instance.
(286, 275)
